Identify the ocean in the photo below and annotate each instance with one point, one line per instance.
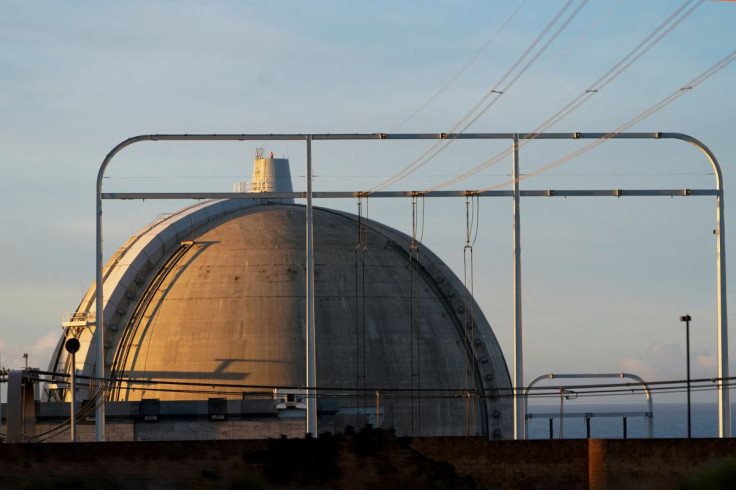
(670, 420)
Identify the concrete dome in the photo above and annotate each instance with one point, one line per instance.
(223, 302)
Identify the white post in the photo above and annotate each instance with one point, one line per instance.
(518, 349)
(311, 345)
(724, 403)
(98, 337)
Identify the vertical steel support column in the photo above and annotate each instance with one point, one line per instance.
(519, 417)
(100, 364)
(311, 344)
(724, 402)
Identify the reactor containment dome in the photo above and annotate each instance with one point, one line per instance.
(213, 297)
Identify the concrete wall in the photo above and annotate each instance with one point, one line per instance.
(369, 459)
(598, 464)
(657, 463)
(539, 464)
(194, 430)
(153, 420)
(186, 430)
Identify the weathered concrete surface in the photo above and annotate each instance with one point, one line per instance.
(653, 464)
(512, 464)
(369, 459)
(596, 464)
(226, 305)
(184, 430)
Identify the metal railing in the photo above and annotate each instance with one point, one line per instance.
(649, 414)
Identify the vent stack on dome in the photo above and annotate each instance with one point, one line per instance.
(270, 174)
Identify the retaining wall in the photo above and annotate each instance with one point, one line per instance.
(369, 459)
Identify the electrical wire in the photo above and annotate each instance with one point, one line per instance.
(471, 234)
(499, 88)
(414, 316)
(415, 394)
(536, 393)
(712, 70)
(594, 25)
(462, 70)
(677, 385)
(357, 314)
(679, 15)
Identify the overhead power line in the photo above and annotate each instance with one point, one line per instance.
(462, 70)
(450, 392)
(722, 63)
(594, 25)
(674, 19)
(154, 385)
(498, 89)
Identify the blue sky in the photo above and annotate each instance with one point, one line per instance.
(605, 280)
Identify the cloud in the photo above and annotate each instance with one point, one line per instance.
(666, 361)
(39, 353)
(647, 370)
(43, 348)
(705, 363)
(663, 362)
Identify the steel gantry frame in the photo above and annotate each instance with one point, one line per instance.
(724, 420)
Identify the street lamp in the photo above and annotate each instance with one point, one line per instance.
(687, 319)
(72, 346)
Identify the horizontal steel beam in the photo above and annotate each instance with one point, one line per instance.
(348, 194)
(396, 136)
(556, 415)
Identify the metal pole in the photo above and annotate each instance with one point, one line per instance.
(310, 337)
(518, 350)
(378, 406)
(625, 429)
(587, 427)
(687, 319)
(562, 414)
(73, 410)
(99, 313)
(99, 285)
(689, 413)
(724, 403)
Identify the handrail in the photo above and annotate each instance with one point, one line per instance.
(645, 386)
